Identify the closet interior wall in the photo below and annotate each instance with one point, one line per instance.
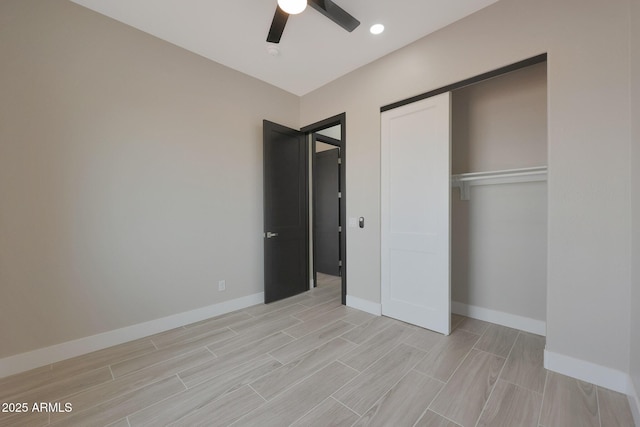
(499, 235)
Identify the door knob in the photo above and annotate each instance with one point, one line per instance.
(270, 234)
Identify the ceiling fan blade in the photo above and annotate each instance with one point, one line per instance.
(277, 25)
(335, 13)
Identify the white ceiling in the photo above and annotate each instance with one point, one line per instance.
(313, 49)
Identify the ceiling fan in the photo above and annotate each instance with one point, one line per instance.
(327, 7)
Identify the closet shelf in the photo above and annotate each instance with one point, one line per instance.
(464, 181)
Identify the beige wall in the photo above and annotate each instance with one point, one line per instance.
(499, 236)
(499, 249)
(635, 169)
(501, 123)
(130, 176)
(588, 141)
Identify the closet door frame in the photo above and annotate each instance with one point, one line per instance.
(485, 76)
(449, 88)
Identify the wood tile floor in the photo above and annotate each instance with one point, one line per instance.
(309, 361)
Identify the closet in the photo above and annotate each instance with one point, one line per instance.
(492, 247)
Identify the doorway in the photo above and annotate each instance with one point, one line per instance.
(328, 261)
(325, 208)
(291, 197)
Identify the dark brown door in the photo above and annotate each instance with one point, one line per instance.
(286, 237)
(327, 212)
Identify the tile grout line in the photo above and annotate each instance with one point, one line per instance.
(199, 408)
(544, 390)
(346, 407)
(452, 374)
(249, 314)
(289, 335)
(276, 312)
(239, 332)
(141, 387)
(258, 393)
(309, 411)
(325, 326)
(25, 394)
(439, 414)
(447, 381)
(484, 407)
(409, 370)
(466, 356)
(492, 354)
(315, 318)
(105, 365)
(474, 332)
(370, 338)
(353, 369)
(154, 381)
(182, 382)
(521, 386)
(345, 384)
(434, 397)
(293, 384)
(271, 355)
(159, 401)
(423, 413)
(598, 404)
(182, 340)
(187, 352)
(200, 381)
(381, 356)
(243, 345)
(312, 349)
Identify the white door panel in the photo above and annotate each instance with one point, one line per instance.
(415, 216)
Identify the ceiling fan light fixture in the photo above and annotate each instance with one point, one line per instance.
(293, 7)
(376, 29)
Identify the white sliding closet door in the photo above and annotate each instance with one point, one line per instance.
(415, 216)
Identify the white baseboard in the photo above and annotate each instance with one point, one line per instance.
(586, 371)
(364, 305)
(501, 318)
(55, 353)
(634, 401)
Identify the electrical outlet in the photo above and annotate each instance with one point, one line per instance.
(222, 285)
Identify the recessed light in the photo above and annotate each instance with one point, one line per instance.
(273, 49)
(376, 29)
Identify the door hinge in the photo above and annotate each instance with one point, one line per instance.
(340, 263)
(339, 229)
(339, 194)
(339, 160)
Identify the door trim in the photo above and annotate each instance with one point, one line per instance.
(340, 119)
(316, 137)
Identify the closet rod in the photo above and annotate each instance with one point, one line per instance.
(464, 181)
